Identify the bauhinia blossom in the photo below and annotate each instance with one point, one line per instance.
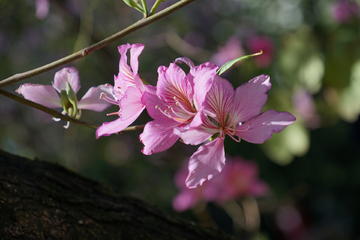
(233, 113)
(67, 84)
(174, 102)
(239, 178)
(128, 89)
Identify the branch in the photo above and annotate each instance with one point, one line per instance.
(84, 52)
(57, 114)
(50, 111)
(40, 200)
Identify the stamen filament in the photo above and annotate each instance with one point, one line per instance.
(166, 113)
(246, 128)
(183, 108)
(233, 137)
(108, 99)
(114, 113)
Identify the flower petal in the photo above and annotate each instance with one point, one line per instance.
(199, 130)
(261, 127)
(70, 75)
(186, 60)
(205, 163)
(135, 52)
(158, 137)
(173, 83)
(219, 100)
(41, 94)
(153, 105)
(126, 76)
(203, 76)
(131, 103)
(92, 101)
(108, 128)
(249, 98)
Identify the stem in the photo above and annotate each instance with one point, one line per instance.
(57, 114)
(155, 6)
(146, 11)
(46, 109)
(84, 52)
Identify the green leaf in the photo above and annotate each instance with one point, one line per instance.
(134, 4)
(229, 64)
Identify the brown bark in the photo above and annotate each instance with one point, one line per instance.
(39, 200)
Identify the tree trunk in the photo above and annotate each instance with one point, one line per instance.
(39, 200)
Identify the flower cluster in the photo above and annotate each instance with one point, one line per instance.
(199, 107)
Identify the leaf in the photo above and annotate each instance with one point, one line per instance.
(134, 4)
(229, 64)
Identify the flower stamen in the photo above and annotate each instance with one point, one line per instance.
(177, 102)
(108, 99)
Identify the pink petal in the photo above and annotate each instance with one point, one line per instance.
(108, 128)
(186, 60)
(42, 8)
(173, 83)
(250, 97)
(157, 137)
(135, 52)
(219, 100)
(131, 103)
(199, 130)
(70, 75)
(92, 101)
(153, 103)
(41, 94)
(203, 77)
(261, 127)
(125, 76)
(205, 163)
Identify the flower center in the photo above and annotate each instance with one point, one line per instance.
(179, 111)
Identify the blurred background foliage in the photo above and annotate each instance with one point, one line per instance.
(311, 52)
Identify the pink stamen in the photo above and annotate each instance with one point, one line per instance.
(183, 108)
(108, 99)
(245, 129)
(232, 136)
(114, 113)
(222, 135)
(166, 113)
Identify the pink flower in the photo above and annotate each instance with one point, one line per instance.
(67, 84)
(239, 178)
(343, 10)
(233, 113)
(174, 102)
(230, 51)
(128, 89)
(42, 8)
(264, 44)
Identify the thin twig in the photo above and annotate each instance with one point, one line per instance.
(57, 114)
(50, 111)
(84, 52)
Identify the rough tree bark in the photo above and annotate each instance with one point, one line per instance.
(39, 200)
